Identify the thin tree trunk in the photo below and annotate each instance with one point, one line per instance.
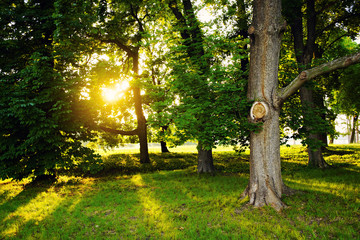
(141, 121)
(194, 40)
(353, 130)
(141, 130)
(164, 148)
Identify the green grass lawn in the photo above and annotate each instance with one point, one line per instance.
(129, 201)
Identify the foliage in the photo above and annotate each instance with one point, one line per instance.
(181, 204)
(212, 105)
(318, 31)
(345, 98)
(39, 127)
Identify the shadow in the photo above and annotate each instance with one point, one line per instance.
(123, 163)
(181, 204)
(322, 212)
(30, 191)
(40, 200)
(329, 152)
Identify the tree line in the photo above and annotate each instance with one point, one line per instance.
(243, 76)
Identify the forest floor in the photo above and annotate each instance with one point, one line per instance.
(167, 199)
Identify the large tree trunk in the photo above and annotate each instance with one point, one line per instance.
(205, 160)
(316, 158)
(265, 185)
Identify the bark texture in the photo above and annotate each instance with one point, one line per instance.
(265, 185)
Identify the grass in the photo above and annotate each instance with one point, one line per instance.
(135, 202)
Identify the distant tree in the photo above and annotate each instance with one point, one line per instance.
(347, 98)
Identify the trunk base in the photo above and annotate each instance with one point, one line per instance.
(205, 161)
(316, 159)
(266, 196)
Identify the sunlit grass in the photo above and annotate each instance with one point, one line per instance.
(180, 204)
(189, 148)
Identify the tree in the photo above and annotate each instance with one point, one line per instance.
(348, 97)
(39, 129)
(315, 30)
(265, 185)
(206, 86)
(117, 28)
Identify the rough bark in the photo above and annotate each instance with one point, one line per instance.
(265, 185)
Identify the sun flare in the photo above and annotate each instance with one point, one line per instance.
(114, 93)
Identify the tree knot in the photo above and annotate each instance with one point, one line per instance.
(303, 75)
(259, 110)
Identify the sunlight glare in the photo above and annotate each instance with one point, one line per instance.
(114, 93)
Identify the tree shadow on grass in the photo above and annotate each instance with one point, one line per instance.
(29, 192)
(184, 204)
(325, 212)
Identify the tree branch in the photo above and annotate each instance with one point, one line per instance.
(121, 132)
(309, 74)
(122, 46)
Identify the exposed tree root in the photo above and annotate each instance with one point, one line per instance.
(267, 197)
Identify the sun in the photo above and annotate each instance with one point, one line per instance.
(116, 92)
(110, 95)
